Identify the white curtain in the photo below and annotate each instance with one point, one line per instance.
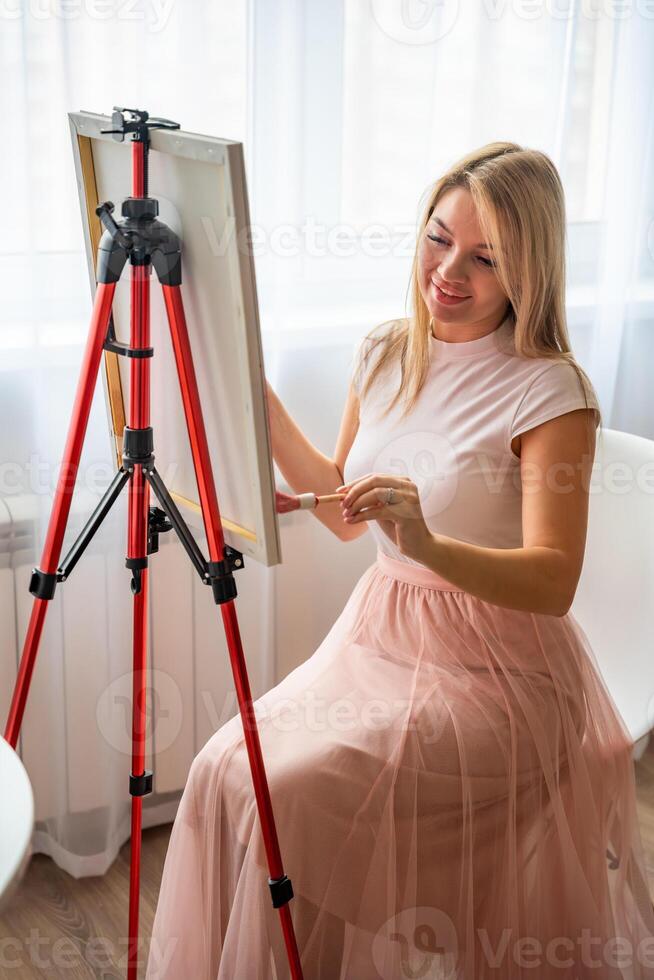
(349, 110)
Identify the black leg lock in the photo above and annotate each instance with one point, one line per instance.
(138, 445)
(219, 575)
(141, 785)
(43, 584)
(281, 890)
(136, 564)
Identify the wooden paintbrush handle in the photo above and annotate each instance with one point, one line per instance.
(330, 498)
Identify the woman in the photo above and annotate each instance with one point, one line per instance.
(452, 784)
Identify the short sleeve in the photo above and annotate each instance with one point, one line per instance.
(554, 391)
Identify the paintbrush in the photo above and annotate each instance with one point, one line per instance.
(284, 502)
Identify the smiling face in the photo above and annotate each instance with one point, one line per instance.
(451, 255)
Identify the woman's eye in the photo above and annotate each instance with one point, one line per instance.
(484, 261)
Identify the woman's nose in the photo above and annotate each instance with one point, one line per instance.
(451, 269)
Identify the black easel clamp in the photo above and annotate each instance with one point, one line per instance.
(158, 523)
(219, 575)
(126, 351)
(111, 342)
(281, 890)
(43, 584)
(135, 124)
(140, 785)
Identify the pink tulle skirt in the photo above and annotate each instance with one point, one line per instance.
(454, 797)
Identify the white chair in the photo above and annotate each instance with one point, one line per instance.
(16, 821)
(614, 603)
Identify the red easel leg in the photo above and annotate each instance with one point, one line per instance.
(62, 499)
(138, 764)
(139, 502)
(215, 539)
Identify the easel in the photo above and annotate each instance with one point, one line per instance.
(140, 238)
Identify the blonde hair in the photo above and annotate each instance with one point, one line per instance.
(520, 205)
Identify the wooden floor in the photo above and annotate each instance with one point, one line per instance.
(62, 914)
(52, 916)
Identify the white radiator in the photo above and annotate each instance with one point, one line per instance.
(77, 723)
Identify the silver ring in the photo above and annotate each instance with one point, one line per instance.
(389, 499)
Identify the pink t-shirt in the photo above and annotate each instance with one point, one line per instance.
(456, 443)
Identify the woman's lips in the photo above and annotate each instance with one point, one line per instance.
(445, 299)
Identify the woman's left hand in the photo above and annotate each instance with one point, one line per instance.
(402, 520)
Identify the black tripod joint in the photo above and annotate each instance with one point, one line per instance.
(141, 785)
(138, 236)
(220, 575)
(281, 890)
